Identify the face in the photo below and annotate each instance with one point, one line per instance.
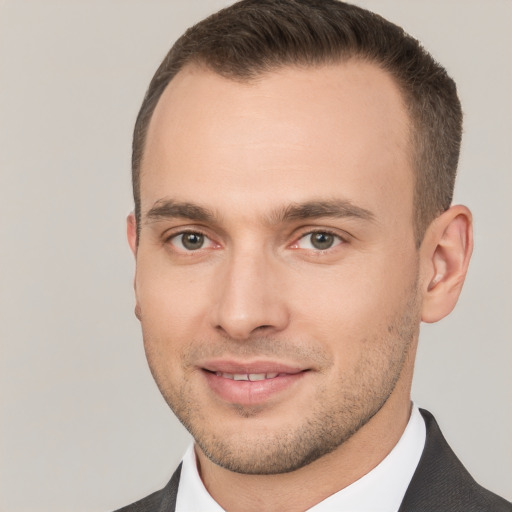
(277, 273)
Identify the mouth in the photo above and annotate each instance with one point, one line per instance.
(251, 384)
(252, 377)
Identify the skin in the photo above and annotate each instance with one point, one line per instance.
(254, 169)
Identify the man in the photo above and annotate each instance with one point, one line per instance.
(293, 170)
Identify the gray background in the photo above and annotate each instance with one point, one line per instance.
(83, 427)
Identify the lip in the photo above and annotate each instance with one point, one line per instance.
(247, 392)
(229, 366)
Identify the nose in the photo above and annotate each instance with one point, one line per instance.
(251, 298)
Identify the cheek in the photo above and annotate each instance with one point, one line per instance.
(354, 304)
(168, 315)
(171, 300)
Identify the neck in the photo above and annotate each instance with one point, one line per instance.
(307, 486)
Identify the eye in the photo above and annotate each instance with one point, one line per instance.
(190, 241)
(318, 240)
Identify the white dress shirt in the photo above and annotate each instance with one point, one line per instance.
(380, 490)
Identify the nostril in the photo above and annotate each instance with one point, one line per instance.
(244, 333)
(262, 330)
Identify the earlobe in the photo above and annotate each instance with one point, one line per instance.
(445, 256)
(131, 232)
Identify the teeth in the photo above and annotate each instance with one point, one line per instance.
(247, 376)
(256, 376)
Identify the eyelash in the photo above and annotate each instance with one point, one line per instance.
(181, 234)
(339, 240)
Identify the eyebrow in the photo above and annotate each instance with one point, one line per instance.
(169, 209)
(335, 208)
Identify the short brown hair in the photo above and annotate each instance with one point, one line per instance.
(252, 37)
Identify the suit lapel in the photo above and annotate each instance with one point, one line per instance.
(441, 483)
(168, 503)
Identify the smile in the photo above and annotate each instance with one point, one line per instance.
(251, 383)
(253, 377)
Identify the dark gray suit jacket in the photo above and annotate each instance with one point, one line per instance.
(440, 484)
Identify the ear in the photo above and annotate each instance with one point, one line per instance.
(131, 232)
(445, 254)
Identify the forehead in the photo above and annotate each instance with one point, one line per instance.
(338, 130)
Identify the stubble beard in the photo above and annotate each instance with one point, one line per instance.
(333, 418)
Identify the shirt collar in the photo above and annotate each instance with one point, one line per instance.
(380, 490)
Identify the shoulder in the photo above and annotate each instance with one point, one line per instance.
(442, 483)
(150, 503)
(159, 501)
